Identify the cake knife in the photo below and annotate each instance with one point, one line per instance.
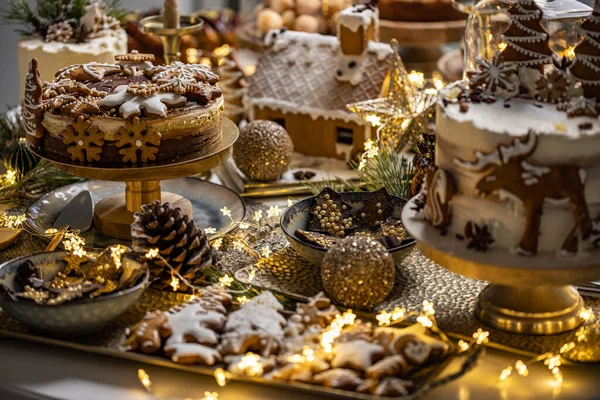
(78, 214)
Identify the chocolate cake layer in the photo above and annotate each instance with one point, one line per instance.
(169, 150)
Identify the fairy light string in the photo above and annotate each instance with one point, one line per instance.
(554, 360)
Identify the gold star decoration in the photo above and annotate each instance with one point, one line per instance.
(401, 110)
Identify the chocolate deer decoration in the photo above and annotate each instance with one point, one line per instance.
(506, 169)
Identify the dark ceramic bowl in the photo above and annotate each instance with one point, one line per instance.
(75, 318)
(298, 216)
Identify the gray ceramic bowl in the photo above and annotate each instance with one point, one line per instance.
(298, 216)
(75, 318)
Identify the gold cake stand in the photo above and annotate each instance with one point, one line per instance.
(528, 295)
(171, 37)
(113, 215)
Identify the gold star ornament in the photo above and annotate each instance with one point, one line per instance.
(402, 105)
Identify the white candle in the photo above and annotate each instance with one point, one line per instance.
(171, 14)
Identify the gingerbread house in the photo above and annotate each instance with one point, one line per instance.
(304, 81)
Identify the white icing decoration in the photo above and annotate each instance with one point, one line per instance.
(132, 105)
(180, 75)
(582, 175)
(481, 161)
(292, 108)
(533, 35)
(207, 355)
(355, 17)
(357, 354)
(135, 66)
(438, 197)
(495, 74)
(532, 173)
(29, 105)
(517, 148)
(522, 116)
(89, 68)
(529, 77)
(185, 323)
(261, 314)
(345, 73)
(93, 13)
(583, 105)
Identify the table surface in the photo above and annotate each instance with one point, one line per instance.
(33, 371)
(39, 371)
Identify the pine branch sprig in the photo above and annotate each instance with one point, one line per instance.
(387, 169)
(49, 12)
(44, 178)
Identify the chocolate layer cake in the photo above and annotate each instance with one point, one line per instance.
(128, 113)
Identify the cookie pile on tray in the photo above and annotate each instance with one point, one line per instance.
(315, 344)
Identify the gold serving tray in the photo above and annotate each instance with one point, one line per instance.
(107, 343)
(432, 380)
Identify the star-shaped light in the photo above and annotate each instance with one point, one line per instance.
(403, 104)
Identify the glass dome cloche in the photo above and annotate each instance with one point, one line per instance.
(488, 20)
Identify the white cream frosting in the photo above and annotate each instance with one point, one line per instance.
(53, 56)
(353, 19)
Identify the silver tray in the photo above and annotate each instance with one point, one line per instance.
(207, 199)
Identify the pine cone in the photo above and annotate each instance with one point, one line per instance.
(185, 247)
(59, 32)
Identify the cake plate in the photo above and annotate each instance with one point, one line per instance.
(528, 295)
(113, 215)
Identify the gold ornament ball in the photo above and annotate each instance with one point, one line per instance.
(358, 272)
(263, 151)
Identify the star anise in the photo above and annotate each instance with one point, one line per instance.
(492, 75)
(480, 237)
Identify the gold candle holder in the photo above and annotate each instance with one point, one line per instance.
(171, 37)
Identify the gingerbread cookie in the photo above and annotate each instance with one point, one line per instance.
(93, 71)
(293, 373)
(317, 311)
(390, 366)
(388, 387)
(359, 331)
(261, 314)
(414, 339)
(146, 336)
(257, 326)
(338, 378)
(233, 362)
(357, 355)
(192, 353)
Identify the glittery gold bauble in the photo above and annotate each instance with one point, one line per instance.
(263, 150)
(358, 272)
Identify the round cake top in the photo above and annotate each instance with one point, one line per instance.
(132, 87)
(514, 116)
